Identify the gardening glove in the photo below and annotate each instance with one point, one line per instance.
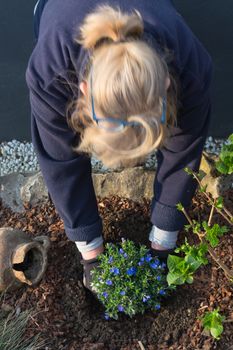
(88, 266)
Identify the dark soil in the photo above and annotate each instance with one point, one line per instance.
(69, 318)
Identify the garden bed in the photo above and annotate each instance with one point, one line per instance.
(69, 318)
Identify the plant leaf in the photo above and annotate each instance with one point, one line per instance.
(216, 331)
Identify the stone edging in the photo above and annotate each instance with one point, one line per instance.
(134, 183)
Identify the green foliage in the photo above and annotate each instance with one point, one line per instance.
(181, 269)
(129, 280)
(180, 207)
(225, 163)
(212, 233)
(12, 329)
(197, 252)
(213, 322)
(188, 171)
(219, 203)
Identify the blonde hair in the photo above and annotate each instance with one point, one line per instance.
(128, 83)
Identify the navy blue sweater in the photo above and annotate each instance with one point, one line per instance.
(67, 174)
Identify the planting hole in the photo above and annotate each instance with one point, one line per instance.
(31, 265)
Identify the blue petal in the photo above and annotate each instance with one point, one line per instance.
(120, 308)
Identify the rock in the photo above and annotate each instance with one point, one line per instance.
(133, 183)
(33, 190)
(17, 189)
(217, 185)
(207, 164)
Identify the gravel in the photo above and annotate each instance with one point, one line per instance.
(16, 156)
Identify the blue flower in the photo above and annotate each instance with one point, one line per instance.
(142, 259)
(106, 316)
(146, 298)
(154, 265)
(131, 271)
(122, 292)
(125, 255)
(120, 308)
(110, 260)
(159, 278)
(157, 307)
(109, 282)
(148, 257)
(121, 251)
(105, 294)
(115, 270)
(162, 292)
(163, 265)
(140, 263)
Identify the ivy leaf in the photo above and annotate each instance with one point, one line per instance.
(175, 279)
(219, 203)
(196, 227)
(180, 270)
(225, 163)
(216, 331)
(212, 321)
(173, 261)
(222, 168)
(213, 233)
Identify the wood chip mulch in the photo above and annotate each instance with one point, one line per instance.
(69, 318)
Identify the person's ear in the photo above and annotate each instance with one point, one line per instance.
(83, 87)
(167, 82)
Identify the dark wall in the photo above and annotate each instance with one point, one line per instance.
(210, 20)
(16, 44)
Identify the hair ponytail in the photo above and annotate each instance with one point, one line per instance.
(109, 24)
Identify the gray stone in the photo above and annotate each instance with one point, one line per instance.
(17, 189)
(33, 190)
(134, 183)
(217, 185)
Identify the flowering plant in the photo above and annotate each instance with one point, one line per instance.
(129, 280)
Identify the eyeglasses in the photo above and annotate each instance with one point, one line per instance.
(116, 125)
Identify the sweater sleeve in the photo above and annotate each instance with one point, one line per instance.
(182, 149)
(66, 173)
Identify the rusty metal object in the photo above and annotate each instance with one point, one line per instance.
(23, 260)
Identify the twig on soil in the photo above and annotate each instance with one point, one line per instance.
(141, 345)
(211, 214)
(228, 272)
(35, 322)
(203, 307)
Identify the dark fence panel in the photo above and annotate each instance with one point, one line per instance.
(211, 21)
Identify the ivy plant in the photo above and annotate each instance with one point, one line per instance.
(225, 163)
(213, 323)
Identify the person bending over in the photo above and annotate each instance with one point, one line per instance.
(117, 80)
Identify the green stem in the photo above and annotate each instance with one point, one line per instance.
(228, 272)
(210, 200)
